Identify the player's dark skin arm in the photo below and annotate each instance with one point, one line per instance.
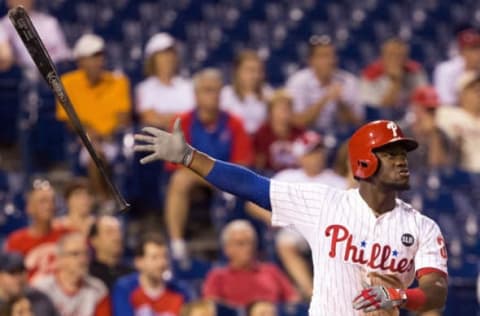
(201, 164)
(434, 285)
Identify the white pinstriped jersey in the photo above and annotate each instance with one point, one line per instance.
(348, 241)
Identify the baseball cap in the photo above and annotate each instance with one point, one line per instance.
(467, 79)
(468, 38)
(88, 45)
(159, 42)
(11, 262)
(426, 97)
(306, 143)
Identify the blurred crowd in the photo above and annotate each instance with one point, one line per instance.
(78, 257)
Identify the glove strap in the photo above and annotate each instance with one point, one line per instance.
(188, 157)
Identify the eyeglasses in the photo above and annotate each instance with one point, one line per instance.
(320, 40)
(74, 253)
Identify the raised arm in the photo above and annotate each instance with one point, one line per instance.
(228, 177)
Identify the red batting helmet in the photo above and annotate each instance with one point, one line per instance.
(371, 136)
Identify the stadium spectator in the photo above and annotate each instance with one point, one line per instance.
(261, 308)
(447, 73)
(13, 283)
(79, 202)
(148, 292)
(37, 241)
(72, 290)
(163, 94)
(462, 123)
(435, 149)
(273, 141)
(246, 96)
(17, 306)
(244, 279)
(102, 101)
(12, 49)
(107, 241)
(388, 82)
(101, 98)
(219, 134)
(292, 248)
(199, 308)
(325, 97)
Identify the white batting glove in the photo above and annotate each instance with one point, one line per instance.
(165, 146)
(379, 297)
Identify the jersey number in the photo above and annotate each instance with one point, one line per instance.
(443, 249)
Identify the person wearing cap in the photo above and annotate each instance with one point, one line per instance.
(310, 151)
(324, 96)
(36, 242)
(273, 141)
(447, 73)
(12, 49)
(102, 101)
(101, 98)
(13, 283)
(435, 149)
(163, 94)
(388, 82)
(462, 123)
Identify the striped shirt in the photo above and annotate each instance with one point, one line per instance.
(348, 241)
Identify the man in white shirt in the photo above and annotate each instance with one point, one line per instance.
(447, 73)
(72, 290)
(324, 96)
(388, 82)
(12, 48)
(462, 123)
(163, 94)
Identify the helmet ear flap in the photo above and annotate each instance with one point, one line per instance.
(366, 167)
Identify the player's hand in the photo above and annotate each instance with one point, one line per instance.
(378, 297)
(162, 145)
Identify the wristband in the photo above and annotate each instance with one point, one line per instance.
(188, 157)
(416, 299)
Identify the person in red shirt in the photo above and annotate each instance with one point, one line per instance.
(245, 280)
(148, 292)
(273, 141)
(217, 133)
(37, 241)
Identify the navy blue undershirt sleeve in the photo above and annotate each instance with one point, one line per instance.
(241, 182)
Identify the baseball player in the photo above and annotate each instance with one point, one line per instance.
(357, 236)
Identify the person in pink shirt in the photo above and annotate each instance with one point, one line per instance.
(245, 280)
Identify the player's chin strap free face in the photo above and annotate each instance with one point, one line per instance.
(373, 298)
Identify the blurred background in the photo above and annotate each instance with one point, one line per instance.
(278, 86)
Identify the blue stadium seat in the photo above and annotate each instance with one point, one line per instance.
(9, 105)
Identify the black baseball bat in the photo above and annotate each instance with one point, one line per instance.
(32, 41)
